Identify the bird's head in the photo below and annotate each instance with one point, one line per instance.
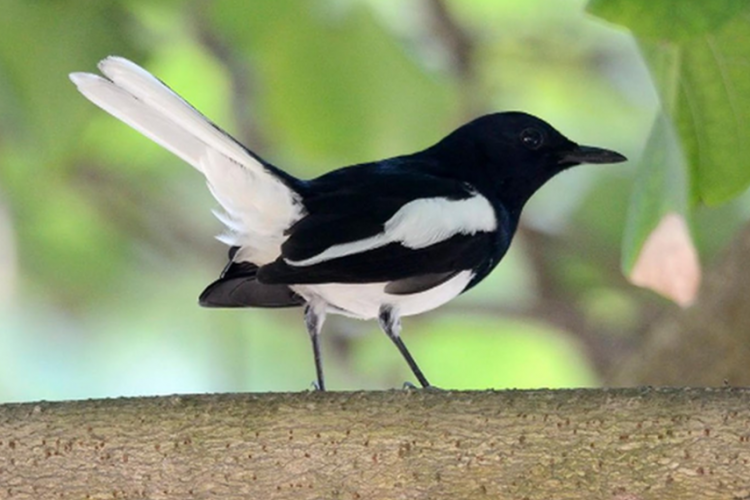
(513, 154)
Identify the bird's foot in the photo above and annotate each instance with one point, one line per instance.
(408, 386)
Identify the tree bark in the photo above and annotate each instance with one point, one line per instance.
(577, 444)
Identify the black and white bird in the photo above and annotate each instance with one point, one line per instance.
(378, 240)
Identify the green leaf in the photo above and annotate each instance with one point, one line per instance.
(660, 187)
(668, 19)
(712, 111)
(703, 83)
(698, 54)
(701, 74)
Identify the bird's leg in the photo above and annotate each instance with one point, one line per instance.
(390, 322)
(315, 314)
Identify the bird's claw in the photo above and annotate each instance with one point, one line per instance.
(408, 386)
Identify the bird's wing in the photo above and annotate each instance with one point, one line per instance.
(415, 231)
(258, 199)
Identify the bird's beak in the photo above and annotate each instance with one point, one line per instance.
(588, 154)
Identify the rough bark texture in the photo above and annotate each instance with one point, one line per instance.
(707, 344)
(598, 444)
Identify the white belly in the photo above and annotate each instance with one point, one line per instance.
(363, 301)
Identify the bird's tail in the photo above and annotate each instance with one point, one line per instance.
(259, 201)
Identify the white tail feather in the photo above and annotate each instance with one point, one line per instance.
(259, 206)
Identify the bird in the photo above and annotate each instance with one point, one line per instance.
(375, 241)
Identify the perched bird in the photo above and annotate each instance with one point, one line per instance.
(383, 240)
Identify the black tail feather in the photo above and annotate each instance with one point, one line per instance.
(238, 286)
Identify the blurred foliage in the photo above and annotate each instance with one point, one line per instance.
(105, 239)
(698, 54)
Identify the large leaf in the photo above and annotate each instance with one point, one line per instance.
(668, 19)
(660, 188)
(699, 53)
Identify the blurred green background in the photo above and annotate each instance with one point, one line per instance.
(106, 239)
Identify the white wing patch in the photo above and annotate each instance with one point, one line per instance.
(427, 221)
(258, 205)
(419, 224)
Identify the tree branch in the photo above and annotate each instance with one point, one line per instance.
(603, 444)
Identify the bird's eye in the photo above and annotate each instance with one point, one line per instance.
(532, 138)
